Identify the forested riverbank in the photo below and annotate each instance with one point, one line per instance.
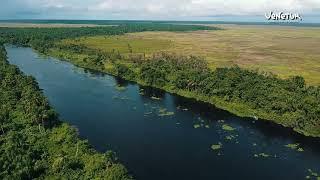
(35, 144)
(288, 102)
(246, 93)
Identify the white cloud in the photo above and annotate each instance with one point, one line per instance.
(154, 9)
(207, 7)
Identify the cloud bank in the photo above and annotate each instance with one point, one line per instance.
(152, 9)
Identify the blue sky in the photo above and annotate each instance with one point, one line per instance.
(234, 10)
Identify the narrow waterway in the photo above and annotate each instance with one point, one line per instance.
(160, 136)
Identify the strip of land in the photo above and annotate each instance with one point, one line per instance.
(53, 25)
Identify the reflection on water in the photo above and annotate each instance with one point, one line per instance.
(162, 136)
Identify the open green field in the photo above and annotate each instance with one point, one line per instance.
(285, 51)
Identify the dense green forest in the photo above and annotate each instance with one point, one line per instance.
(244, 92)
(35, 144)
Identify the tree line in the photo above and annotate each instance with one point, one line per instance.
(289, 102)
(35, 144)
(43, 38)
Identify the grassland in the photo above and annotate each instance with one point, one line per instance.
(284, 51)
(125, 44)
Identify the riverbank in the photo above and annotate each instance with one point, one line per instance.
(237, 107)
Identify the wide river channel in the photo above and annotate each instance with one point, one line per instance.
(160, 136)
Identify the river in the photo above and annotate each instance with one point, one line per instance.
(161, 136)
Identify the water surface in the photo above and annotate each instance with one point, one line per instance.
(162, 136)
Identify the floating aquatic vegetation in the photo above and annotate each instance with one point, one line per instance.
(120, 88)
(121, 97)
(254, 144)
(164, 112)
(183, 109)
(292, 146)
(295, 147)
(141, 92)
(196, 126)
(167, 114)
(230, 137)
(216, 146)
(155, 98)
(207, 126)
(264, 155)
(220, 121)
(313, 174)
(227, 127)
